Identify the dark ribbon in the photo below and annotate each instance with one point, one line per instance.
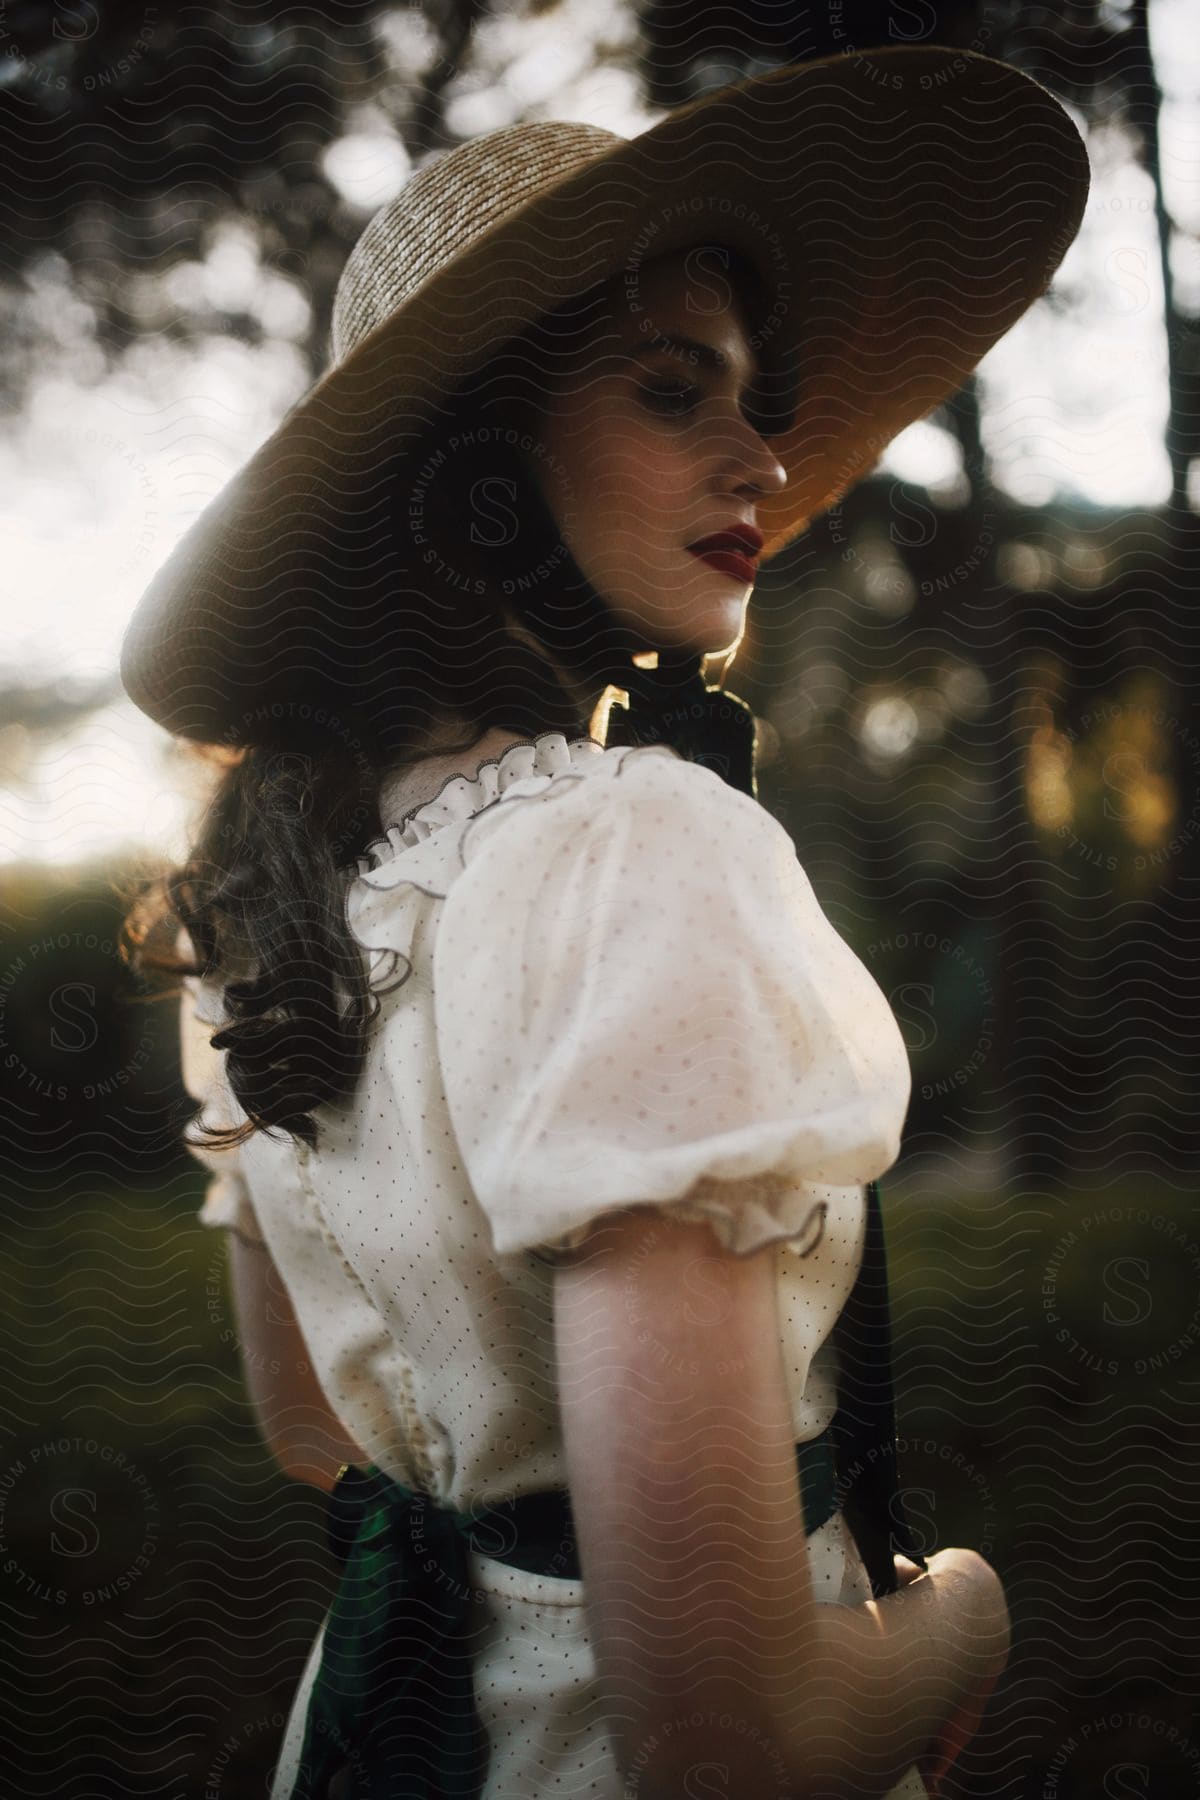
(864, 1425)
(673, 705)
(392, 1712)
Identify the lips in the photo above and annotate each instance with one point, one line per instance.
(733, 552)
(740, 568)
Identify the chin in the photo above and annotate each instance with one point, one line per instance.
(706, 625)
(723, 628)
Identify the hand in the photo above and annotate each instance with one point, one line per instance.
(962, 1725)
(933, 1765)
(953, 1738)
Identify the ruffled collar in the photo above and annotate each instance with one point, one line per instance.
(462, 796)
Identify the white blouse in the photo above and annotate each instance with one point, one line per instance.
(605, 981)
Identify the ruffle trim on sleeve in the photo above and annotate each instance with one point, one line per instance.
(772, 1209)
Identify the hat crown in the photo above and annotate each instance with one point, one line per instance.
(449, 203)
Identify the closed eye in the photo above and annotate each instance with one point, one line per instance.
(769, 399)
(674, 399)
(677, 399)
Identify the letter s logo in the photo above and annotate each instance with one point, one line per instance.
(718, 296)
(1143, 1305)
(918, 1025)
(920, 523)
(712, 1310)
(81, 21)
(83, 1031)
(1125, 269)
(924, 1527)
(87, 1539)
(1123, 771)
(504, 519)
(913, 22)
(698, 1786)
(1116, 1778)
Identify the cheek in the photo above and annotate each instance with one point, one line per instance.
(623, 485)
(634, 476)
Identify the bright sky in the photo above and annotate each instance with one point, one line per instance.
(103, 474)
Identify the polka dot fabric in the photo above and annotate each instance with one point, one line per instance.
(639, 999)
(605, 980)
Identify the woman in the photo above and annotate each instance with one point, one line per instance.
(550, 1098)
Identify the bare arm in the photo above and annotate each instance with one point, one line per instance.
(710, 1647)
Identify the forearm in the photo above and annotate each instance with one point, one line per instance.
(712, 1652)
(773, 1694)
(297, 1423)
(878, 1682)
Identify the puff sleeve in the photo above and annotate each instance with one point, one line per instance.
(641, 1002)
(227, 1203)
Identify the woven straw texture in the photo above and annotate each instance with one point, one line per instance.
(446, 207)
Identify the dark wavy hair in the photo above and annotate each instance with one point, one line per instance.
(262, 891)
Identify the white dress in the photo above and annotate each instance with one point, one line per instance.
(607, 982)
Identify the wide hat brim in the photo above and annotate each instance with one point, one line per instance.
(905, 208)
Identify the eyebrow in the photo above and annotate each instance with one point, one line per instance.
(706, 354)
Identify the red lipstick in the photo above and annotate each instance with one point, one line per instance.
(732, 551)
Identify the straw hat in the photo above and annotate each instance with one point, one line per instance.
(904, 208)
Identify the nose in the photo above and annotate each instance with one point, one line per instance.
(753, 462)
